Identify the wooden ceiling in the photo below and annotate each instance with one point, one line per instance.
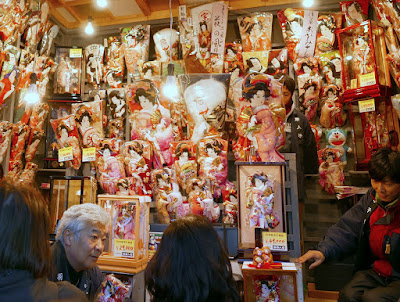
(74, 13)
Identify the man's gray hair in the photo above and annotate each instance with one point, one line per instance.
(80, 217)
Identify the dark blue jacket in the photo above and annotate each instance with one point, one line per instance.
(350, 235)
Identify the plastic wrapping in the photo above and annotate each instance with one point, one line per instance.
(110, 165)
(255, 31)
(88, 117)
(150, 120)
(138, 159)
(67, 136)
(114, 63)
(94, 55)
(260, 122)
(166, 44)
(135, 46)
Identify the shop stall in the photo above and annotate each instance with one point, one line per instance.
(165, 111)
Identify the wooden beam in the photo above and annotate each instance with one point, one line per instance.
(78, 2)
(54, 12)
(74, 13)
(144, 7)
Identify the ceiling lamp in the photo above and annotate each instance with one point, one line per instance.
(102, 3)
(32, 95)
(308, 3)
(170, 88)
(89, 30)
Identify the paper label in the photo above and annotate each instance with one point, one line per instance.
(124, 248)
(308, 34)
(88, 154)
(275, 241)
(75, 53)
(65, 154)
(219, 25)
(182, 13)
(353, 83)
(367, 79)
(366, 105)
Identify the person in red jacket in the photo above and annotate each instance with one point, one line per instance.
(371, 229)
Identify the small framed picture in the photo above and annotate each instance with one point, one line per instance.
(261, 200)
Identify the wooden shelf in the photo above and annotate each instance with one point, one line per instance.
(110, 263)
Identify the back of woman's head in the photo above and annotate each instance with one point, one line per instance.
(24, 229)
(191, 264)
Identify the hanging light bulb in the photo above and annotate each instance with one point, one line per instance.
(89, 30)
(170, 88)
(102, 3)
(308, 3)
(32, 95)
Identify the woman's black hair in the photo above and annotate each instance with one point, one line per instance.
(142, 92)
(288, 25)
(137, 147)
(191, 264)
(262, 177)
(85, 113)
(385, 163)
(24, 230)
(331, 66)
(308, 64)
(249, 94)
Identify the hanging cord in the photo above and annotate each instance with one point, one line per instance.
(170, 31)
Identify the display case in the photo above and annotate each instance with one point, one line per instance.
(271, 284)
(128, 246)
(375, 125)
(365, 68)
(66, 191)
(261, 200)
(58, 109)
(68, 76)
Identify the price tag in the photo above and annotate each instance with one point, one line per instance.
(124, 248)
(367, 79)
(75, 53)
(353, 83)
(65, 154)
(366, 105)
(277, 242)
(182, 13)
(88, 154)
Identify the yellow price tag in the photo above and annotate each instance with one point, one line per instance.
(275, 241)
(354, 84)
(366, 105)
(88, 154)
(124, 248)
(367, 79)
(75, 53)
(65, 154)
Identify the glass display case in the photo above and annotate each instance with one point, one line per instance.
(66, 191)
(364, 64)
(128, 246)
(375, 125)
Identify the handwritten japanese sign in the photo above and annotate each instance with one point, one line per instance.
(275, 241)
(367, 79)
(366, 105)
(182, 13)
(219, 25)
(124, 248)
(308, 34)
(88, 154)
(65, 154)
(75, 53)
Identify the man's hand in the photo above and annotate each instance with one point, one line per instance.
(317, 256)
